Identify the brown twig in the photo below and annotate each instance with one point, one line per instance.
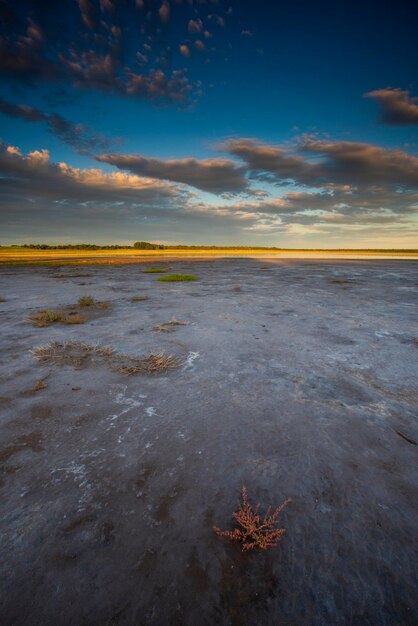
(412, 441)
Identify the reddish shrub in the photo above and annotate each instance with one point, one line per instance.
(255, 532)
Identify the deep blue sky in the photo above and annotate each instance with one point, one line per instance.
(249, 86)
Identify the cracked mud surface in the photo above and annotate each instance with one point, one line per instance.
(296, 378)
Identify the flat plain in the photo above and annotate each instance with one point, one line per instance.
(297, 378)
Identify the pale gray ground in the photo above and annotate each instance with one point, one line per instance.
(291, 383)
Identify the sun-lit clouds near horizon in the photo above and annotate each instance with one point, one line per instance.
(35, 186)
(134, 124)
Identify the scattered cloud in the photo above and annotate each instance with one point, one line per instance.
(32, 179)
(95, 49)
(194, 27)
(268, 159)
(398, 107)
(153, 193)
(184, 50)
(362, 164)
(81, 138)
(220, 21)
(212, 175)
(343, 162)
(164, 12)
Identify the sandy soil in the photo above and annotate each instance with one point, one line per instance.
(295, 379)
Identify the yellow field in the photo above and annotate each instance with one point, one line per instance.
(11, 255)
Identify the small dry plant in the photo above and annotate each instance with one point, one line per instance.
(254, 531)
(40, 384)
(89, 301)
(70, 275)
(168, 327)
(152, 363)
(40, 319)
(75, 353)
(154, 270)
(139, 298)
(86, 301)
(79, 354)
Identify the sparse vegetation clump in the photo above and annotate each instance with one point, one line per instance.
(253, 531)
(69, 314)
(155, 270)
(86, 301)
(39, 385)
(162, 328)
(172, 278)
(139, 298)
(168, 327)
(75, 353)
(40, 319)
(79, 354)
(152, 363)
(70, 275)
(89, 301)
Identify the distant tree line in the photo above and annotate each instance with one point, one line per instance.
(67, 246)
(146, 245)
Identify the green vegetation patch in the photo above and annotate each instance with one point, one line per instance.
(177, 278)
(155, 270)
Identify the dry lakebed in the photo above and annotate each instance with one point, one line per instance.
(297, 378)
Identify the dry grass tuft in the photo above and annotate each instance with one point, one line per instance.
(152, 363)
(139, 298)
(40, 384)
(79, 354)
(162, 328)
(154, 270)
(174, 322)
(86, 301)
(76, 353)
(89, 301)
(167, 327)
(40, 319)
(69, 314)
(70, 275)
(254, 532)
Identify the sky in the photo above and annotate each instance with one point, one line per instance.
(288, 124)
